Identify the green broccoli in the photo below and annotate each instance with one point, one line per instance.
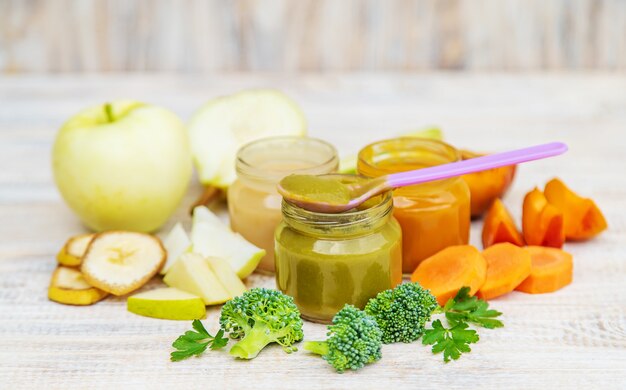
(402, 312)
(354, 340)
(259, 317)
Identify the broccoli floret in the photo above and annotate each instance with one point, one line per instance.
(402, 312)
(354, 340)
(259, 317)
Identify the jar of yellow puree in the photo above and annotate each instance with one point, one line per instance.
(432, 215)
(327, 260)
(254, 204)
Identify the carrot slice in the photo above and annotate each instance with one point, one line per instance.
(499, 226)
(581, 217)
(507, 266)
(552, 269)
(542, 223)
(445, 272)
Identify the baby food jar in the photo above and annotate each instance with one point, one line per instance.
(432, 215)
(327, 260)
(254, 204)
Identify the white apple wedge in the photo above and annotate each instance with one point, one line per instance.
(212, 238)
(167, 303)
(192, 273)
(176, 243)
(220, 127)
(227, 277)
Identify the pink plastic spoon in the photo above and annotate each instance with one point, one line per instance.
(336, 193)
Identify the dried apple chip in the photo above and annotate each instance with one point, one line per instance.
(120, 262)
(72, 252)
(68, 286)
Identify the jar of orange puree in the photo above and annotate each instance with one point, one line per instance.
(327, 260)
(254, 204)
(432, 215)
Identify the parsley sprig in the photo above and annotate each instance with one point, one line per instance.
(196, 342)
(452, 342)
(460, 311)
(463, 308)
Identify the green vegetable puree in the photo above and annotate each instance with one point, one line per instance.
(323, 272)
(325, 189)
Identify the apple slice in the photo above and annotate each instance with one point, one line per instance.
(72, 252)
(120, 262)
(227, 277)
(68, 286)
(176, 243)
(224, 124)
(192, 273)
(167, 303)
(212, 238)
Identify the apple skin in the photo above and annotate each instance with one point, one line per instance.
(124, 165)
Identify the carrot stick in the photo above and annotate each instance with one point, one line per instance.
(499, 226)
(542, 223)
(445, 272)
(552, 269)
(507, 266)
(582, 219)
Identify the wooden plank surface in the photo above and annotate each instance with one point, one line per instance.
(574, 338)
(307, 35)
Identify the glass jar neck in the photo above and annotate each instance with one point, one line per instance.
(405, 154)
(372, 216)
(264, 163)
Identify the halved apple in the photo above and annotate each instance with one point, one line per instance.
(68, 286)
(220, 127)
(192, 273)
(212, 238)
(167, 303)
(72, 252)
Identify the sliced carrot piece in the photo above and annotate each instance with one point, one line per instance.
(581, 217)
(542, 223)
(499, 226)
(507, 266)
(445, 272)
(552, 269)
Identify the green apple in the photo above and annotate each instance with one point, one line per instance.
(220, 127)
(227, 277)
(122, 166)
(212, 238)
(167, 303)
(348, 163)
(192, 273)
(176, 243)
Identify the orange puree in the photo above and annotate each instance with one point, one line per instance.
(433, 215)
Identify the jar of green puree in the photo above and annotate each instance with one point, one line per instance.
(327, 260)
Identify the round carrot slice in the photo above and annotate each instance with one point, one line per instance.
(552, 269)
(445, 272)
(507, 266)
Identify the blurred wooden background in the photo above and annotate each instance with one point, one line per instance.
(311, 35)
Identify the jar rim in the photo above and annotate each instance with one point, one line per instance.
(405, 145)
(346, 223)
(245, 167)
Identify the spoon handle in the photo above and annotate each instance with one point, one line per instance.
(475, 164)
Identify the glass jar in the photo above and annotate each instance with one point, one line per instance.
(254, 204)
(327, 260)
(432, 215)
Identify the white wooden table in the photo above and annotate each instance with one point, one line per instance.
(573, 338)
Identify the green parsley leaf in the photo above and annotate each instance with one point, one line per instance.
(196, 342)
(463, 308)
(452, 342)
